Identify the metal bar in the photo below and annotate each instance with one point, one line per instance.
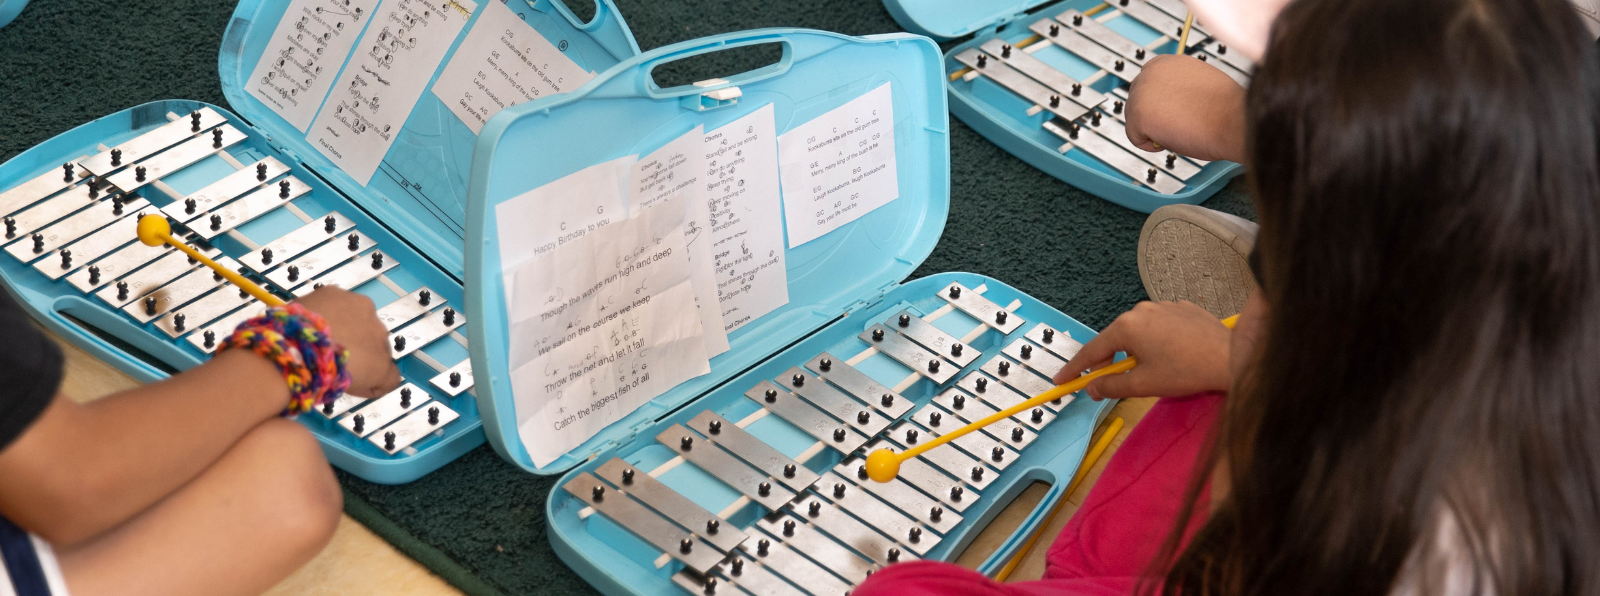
(1085, 48)
(20, 224)
(319, 260)
(865, 388)
(350, 276)
(903, 496)
(1103, 35)
(952, 461)
(114, 265)
(1017, 377)
(903, 350)
(758, 453)
(978, 445)
(386, 409)
(853, 533)
(37, 189)
(1056, 342)
(414, 427)
(407, 308)
(874, 512)
(199, 313)
(223, 327)
(165, 268)
(1237, 75)
(933, 338)
(929, 478)
(759, 580)
(247, 208)
(144, 145)
(429, 329)
(177, 158)
(1162, 22)
(730, 470)
(1169, 162)
(1045, 74)
(293, 244)
(179, 292)
(976, 405)
(672, 505)
(806, 417)
(643, 523)
(811, 571)
(1011, 431)
(980, 308)
(834, 402)
(454, 385)
(1119, 159)
(340, 405)
(1020, 84)
(98, 244)
(224, 190)
(1035, 357)
(1226, 54)
(71, 228)
(1002, 396)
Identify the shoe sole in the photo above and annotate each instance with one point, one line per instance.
(1192, 253)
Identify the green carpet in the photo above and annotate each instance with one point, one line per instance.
(479, 522)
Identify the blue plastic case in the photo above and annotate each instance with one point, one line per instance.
(1000, 115)
(416, 215)
(839, 284)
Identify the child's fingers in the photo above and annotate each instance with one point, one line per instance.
(1115, 386)
(1097, 353)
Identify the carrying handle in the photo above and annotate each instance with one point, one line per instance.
(647, 83)
(562, 9)
(110, 338)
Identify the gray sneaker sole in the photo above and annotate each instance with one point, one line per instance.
(1192, 253)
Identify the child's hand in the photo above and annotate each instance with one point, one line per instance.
(1186, 106)
(353, 323)
(1182, 350)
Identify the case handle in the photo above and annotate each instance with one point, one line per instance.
(111, 338)
(647, 83)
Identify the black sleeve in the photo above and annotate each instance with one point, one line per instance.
(30, 370)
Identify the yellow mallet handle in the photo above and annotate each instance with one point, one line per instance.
(883, 465)
(155, 231)
(1183, 38)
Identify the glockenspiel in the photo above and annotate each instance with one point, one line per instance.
(1050, 86)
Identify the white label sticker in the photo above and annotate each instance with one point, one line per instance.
(839, 166)
(503, 62)
(312, 40)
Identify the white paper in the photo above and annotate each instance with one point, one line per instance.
(503, 62)
(746, 232)
(312, 40)
(839, 166)
(612, 323)
(670, 173)
(545, 218)
(378, 89)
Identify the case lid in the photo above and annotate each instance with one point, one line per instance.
(623, 112)
(420, 188)
(949, 19)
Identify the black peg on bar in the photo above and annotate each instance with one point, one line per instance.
(294, 273)
(433, 415)
(1116, 107)
(825, 364)
(887, 400)
(455, 379)
(982, 384)
(1202, 58)
(861, 472)
(1072, 130)
(329, 223)
(911, 436)
(66, 259)
(1038, 415)
(894, 555)
(686, 443)
(283, 189)
(933, 419)
(94, 275)
(711, 586)
(762, 547)
(788, 527)
(627, 476)
(243, 293)
(1049, 335)
(388, 441)
(178, 321)
(1172, 160)
(266, 256)
(955, 493)
(712, 526)
(405, 397)
(877, 335)
(38, 242)
(863, 417)
(377, 260)
(1055, 101)
(358, 423)
(814, 509)
(1077, 89)
(216, 137)
(1000, 316)
(685, 545)
(905, 320)
(327, 407)
(598, 493)
(399, 343)
(959, 401)
(1150, 175)
(955, 350)
(838, 435)
(1139, 54)
(66, 172)
(1027, 351)
(11, 227)
(915, 535)
(216, 222)
(955, 291)
(1055, 29)
(1016, 435)
(1005, 51)
(1094, 119)
(355, 241)
(983, 60)
(933, 366)
(122, 290)
(1077, 20)
(189, 206)
(764, 489)
(261, 171)
(116, 204)
(737, 567)
(138, 173)
(194, 121)
(771, 395)
(1005, 367)
(116, 157)
(788, 470)
(424, 297)
(936, 513)
(977, 473)
(798, 380)
(715, 427)
(999, 453)
(94, 189)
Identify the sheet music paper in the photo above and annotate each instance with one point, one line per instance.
(612, 321)
(307, 48)
(375, 94)
(839, 166)
(671, 172)
(745, 218)
(503, 62)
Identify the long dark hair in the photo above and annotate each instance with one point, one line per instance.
(1422, 414)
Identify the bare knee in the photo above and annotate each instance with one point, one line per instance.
(299, 494)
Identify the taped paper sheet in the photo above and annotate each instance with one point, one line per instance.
(600, 325)
(375, 94)
(538, 221)
(839, 166)
(304, 55)
(746, 232)
(673, 172)
(503, 62)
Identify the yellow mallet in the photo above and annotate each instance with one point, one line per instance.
(155, 231)
(883, 465)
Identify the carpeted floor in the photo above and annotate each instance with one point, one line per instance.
(479, 522)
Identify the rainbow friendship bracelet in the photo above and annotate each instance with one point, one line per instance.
(296, 341)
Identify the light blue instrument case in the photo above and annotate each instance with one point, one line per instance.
(1003, 117)
(413, 209)
(839, 284)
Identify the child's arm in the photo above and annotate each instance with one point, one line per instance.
(81, 468)
(1186, 106)
(1182, 350)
